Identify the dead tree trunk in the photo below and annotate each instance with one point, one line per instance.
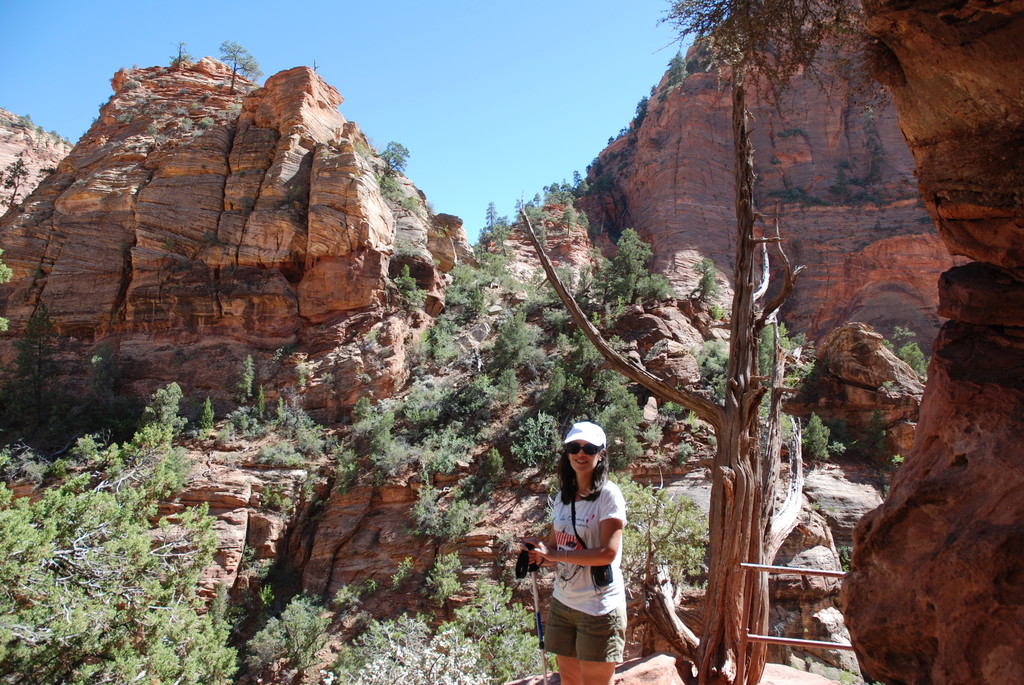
(743, 524)
(736, 519)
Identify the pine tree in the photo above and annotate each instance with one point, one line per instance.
(206, 419)
(29, 388)
(243, 391)
(13, 177)
(815, 438)
(676, 71)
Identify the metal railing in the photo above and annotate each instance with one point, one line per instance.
(772, 639)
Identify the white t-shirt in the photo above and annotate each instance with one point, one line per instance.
(574, 584)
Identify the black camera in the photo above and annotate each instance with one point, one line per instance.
(523, 565)
(602, 575)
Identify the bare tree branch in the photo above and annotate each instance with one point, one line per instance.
(704, 409)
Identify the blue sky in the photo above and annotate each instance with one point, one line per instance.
(493, 100)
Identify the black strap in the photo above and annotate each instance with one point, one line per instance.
(572, 504)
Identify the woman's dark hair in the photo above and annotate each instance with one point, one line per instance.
(567, 478)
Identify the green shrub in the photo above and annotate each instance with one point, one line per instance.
(296, 425)
(297, 635)
(815, 439)
(470, 404)
(665, 531)
(348, 597)
(621, 417)
(346, 468)
(514, 343)
(440, 341)
(536, 441)
(713, 360)
(403, 650)
(433, 518)
(401, 573)
(410, 291)
(441, 449)
(280, 453)
(423, 405)
(246, 421)
(443, 578)
(490, 640)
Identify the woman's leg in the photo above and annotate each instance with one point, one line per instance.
(569, 670)
(597, 672)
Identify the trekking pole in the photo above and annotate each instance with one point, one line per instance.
(523, 566)
(540, 628)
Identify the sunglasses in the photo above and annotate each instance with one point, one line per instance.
(575, 447)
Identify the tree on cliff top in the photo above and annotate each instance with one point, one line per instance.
(395, 157)
(240, 60)
(184, 58)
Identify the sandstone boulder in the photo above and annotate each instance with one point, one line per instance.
(859, 381)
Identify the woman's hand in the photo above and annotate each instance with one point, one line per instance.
(538, 550)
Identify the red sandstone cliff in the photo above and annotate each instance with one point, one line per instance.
(838, 170)
(936, 592)
(192, 225)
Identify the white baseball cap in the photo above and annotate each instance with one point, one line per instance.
(585, 430)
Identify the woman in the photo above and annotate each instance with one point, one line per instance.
(586, 625)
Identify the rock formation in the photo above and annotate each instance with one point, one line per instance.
(835, 167)
(859, 381)
(192, 224)
(935, 596)
(38, 150)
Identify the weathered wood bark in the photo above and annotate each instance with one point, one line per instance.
(744, 475)
(736, 519)
(661, 612)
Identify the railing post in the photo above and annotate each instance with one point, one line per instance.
(746, 636)
(741, 658)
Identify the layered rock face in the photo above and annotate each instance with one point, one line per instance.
(196, 223)
(836, 168)
(936, 593)
(37, 150)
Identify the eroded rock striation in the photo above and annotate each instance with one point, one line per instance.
(194, 224)
(836, 169)
(935, 596)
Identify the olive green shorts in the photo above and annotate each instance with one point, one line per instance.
(582, 636)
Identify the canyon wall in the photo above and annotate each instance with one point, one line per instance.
(194, 225)
(936, 590)
(830, 160)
